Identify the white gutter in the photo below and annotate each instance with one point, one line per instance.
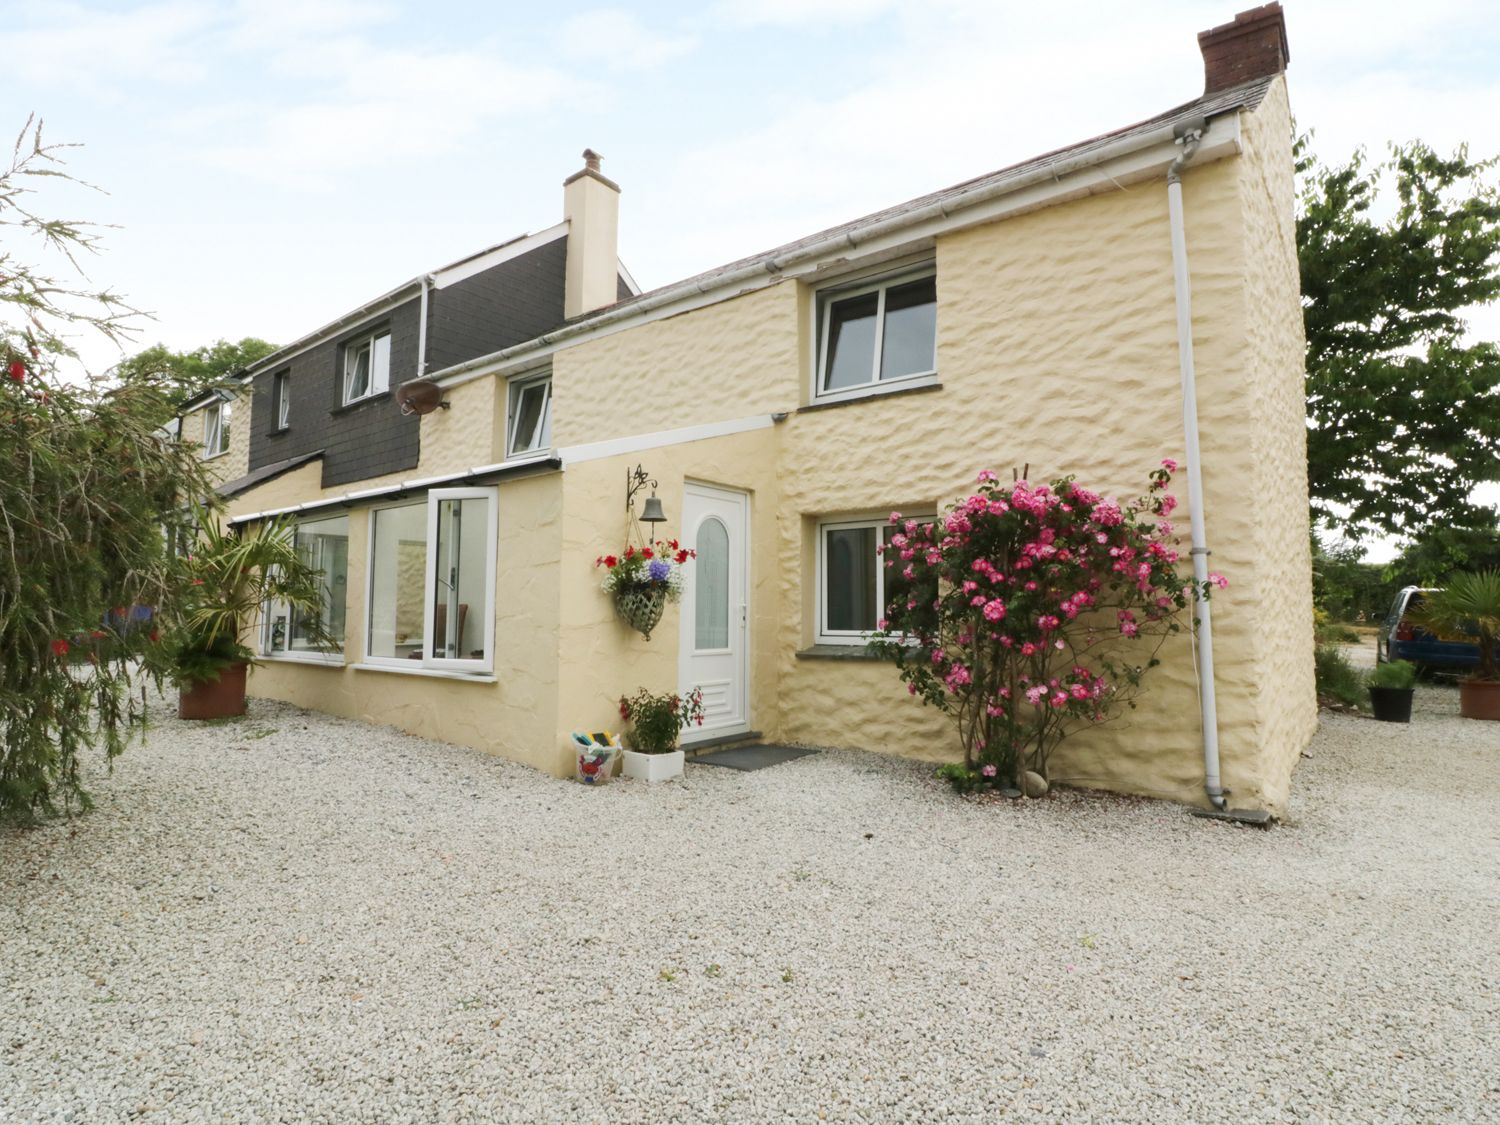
(1191, 137)
(1219, 140)
(349, 498)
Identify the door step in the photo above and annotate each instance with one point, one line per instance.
(722, 741)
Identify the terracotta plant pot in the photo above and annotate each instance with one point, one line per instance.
(216, 699)
(1479, 699)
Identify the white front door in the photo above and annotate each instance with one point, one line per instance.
(713, 653)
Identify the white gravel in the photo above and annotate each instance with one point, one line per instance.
(297, 918)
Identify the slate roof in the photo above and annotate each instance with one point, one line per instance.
(1246, 96)
(265, 473)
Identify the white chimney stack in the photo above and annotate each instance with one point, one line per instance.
(591, 208)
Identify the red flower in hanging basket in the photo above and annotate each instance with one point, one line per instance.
(59, 647)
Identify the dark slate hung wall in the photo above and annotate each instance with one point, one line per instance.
(504, 305)
(366, 439)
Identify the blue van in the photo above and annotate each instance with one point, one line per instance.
(1399, 639)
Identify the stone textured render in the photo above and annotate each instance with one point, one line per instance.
(1056, 348)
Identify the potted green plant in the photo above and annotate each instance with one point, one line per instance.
(1468, 609)
(655, 721)
(231, 574)
(642, 580)
(1391, 686)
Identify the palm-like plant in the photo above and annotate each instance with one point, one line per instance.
(233, 573)
(1467, 610)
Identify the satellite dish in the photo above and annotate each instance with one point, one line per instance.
(419, 397)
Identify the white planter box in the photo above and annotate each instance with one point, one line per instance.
(653, 767)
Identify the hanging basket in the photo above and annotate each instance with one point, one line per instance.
(641, 607)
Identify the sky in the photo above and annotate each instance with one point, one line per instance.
(271, 165)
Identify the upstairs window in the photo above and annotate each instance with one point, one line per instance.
(215, 430)
(281, 401)
(877, 333)
(529, 419)
(367, 366)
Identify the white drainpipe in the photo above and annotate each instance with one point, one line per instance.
(1189, 136)
(422, 329)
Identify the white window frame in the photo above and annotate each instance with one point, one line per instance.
(353, 347)
(822, 634)
(465, 666)
(281, 399)
(828, 296)
(542, 435)
(271, 608)
(218, 416)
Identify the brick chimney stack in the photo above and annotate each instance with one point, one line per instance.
(1252, 45)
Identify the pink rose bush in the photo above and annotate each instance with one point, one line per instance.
(1031, 611)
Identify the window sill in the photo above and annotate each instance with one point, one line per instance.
(281, 431)
(904, 387)
(836, 652)
(214, 456)
(531, 456)
(344, 408)
(434, 673)
(325, 660)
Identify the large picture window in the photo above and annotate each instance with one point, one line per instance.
(854, 584)
(877, 333)
(367, 366)
(286, 631)
(432, 582)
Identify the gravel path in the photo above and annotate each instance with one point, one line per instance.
(294, 917)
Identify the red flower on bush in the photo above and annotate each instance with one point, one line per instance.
(17, 371)
(59, 647)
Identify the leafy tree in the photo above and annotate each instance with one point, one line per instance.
(184, 375)
(1403, 413)
(1347, 588)
(1443, 551)
(91, 497)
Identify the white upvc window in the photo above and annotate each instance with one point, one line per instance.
(877, 333)
(367, 366)
(431, 582)
(286, 631)
(853, 580)
(281, 398)
(528, 420)
(215, 430)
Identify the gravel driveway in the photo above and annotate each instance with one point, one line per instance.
(294, 917)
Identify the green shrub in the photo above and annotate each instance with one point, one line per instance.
(1395, 674)
(1337, 679)
(1326, 631)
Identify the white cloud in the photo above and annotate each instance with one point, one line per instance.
(84, 48)
(801, 13)
(617, 40)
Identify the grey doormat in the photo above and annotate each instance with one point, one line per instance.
(756, 757)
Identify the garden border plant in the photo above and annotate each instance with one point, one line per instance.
(1029, 612)
(92, 495)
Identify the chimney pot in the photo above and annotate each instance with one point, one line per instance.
(591, 160)
(1252, 45)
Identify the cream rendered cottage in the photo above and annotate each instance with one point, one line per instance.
(1028, 316)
